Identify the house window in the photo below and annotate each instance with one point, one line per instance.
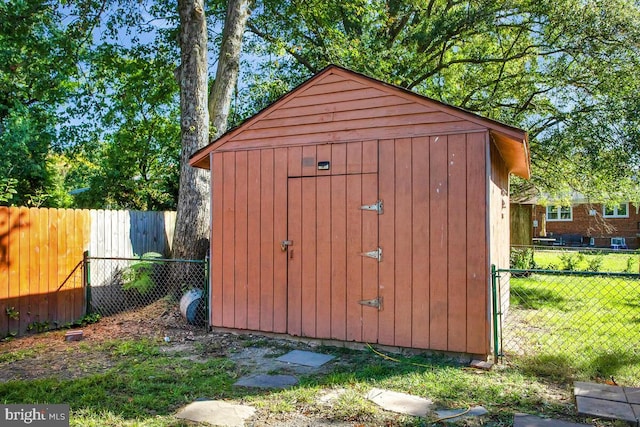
(617, 211)
(559, 213)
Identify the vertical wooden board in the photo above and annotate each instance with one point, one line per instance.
(308, 257)
(458, 238)
(477, 261)
(370, 156)
(323, 257)
(294, 268)
(354, 157)
(25, 265)
(339, 159)
(16, 217)
(76, 258)
(228, 238)
(43, 258)
(267, 241)
(52, 264)
(355, 261)
(280, 233)
(370, 270)
(420, 243)
(100, 247)
(323, 154)
(124, 231)
(35, 243)
(4, 270)
(217, 207)
(338, 257)
(386, 268)
(294, 161)
(241, 240)
(309, 160)
(93, 245)
(170, 222)
(67, 264)
(438, 243)
(403, 240)
(253, 235)
(66, 281)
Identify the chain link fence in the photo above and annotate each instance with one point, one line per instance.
(122, 284)
(579, 321)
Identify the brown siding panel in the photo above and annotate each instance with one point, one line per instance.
(228, 239)
(338, 257)
(458, 241)
(294, 291)
(253, 235)
(477, 264)
(323, 253)
(438, 232)
(241, 239)
(403, 242)
(266, 239)
(309, 260)
(280, 233)
(370, 270)
(420, 244)
(386, 324)
(216, 243)
(355, 262)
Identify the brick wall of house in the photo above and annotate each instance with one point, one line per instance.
(596, 226)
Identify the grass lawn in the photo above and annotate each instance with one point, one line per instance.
(614, 261)
(580, 327)
(145, 385)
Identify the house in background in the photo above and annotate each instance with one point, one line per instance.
(355, 210)
(587, 224)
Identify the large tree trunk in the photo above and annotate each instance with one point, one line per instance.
(228, 65)
(192, 224)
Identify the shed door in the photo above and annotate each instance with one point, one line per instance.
(332, 286)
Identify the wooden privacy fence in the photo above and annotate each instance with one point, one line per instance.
(42, 283)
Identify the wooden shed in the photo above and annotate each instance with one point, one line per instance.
(355, 210)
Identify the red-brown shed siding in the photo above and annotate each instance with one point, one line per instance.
(440, 179)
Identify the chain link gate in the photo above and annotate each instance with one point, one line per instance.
(588, 321)
(116, 285)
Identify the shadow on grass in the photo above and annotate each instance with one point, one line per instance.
(535, 298)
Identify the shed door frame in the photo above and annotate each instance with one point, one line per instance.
(328, 277)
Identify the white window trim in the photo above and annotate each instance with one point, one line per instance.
(615, 212)
(546, 213)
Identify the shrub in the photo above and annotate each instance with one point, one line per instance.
(139, 275)
(571, 261)
(630, 265)
(594, 263)
(522, 259)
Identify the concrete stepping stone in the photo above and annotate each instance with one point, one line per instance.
(600, 391)
(524, 420)
(217, 413)
(610, 409)
(401, 403)
(608, 401)
(267, 381)
(306, 358)
(453, 415)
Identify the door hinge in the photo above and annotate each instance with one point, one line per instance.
(378, 207)
(377, 254)
(377, 302)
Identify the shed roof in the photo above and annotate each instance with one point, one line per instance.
(512, 143)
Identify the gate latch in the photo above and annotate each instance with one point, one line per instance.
(377, 302)
(284, 244)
